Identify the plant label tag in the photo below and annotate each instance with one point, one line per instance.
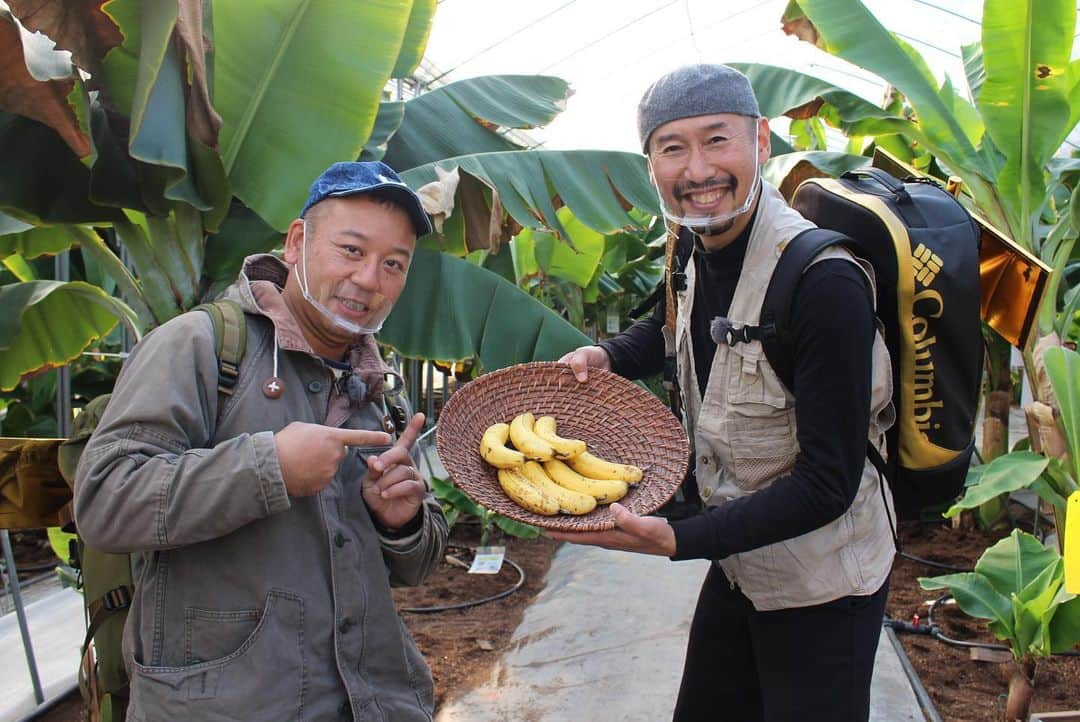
(612, 319)
(1072, 544)
(488, 560)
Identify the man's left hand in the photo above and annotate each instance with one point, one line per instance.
(632, 533)
(393, 488)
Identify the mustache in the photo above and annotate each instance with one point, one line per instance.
(681, 190)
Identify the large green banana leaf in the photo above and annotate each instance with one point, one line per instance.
(599, 187)
(31, 241)
(417, 32)
(851, 32)
(1020, 75)
(1024, 99)
(1063, 369)
(242, 234)
(387, 121)
(460, 118)
(846, 28)
(452, 309)
(298, 86)
(538, 251)
(781, 91)
(803, 98)
(59, 335)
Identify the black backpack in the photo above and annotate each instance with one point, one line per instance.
(924, 247)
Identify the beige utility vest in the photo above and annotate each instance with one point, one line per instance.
(743, 432)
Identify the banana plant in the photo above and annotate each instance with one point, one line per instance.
(1018, 585)
(1053, 474)
(600, 283)
(148, 127)
(481, 313)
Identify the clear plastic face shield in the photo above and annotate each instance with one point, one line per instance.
(706, 170)
(353, 308)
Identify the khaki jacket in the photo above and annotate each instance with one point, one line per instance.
(744, 435)
(249, 604)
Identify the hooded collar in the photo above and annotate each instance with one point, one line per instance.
(258, 291)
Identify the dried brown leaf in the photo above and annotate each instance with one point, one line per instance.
(44, 101)
(203, 122)
(79, 26)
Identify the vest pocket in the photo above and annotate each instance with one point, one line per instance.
(233, 685)
(762, 447)
(760, 422)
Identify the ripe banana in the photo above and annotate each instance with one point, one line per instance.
(494, 450)
(522, 492)
(564, 448)
(604, 491)
(526, 441)
(570, 501)
(596, 468)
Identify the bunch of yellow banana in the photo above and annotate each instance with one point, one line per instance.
(546, 473)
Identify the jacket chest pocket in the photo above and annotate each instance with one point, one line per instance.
(760, 422)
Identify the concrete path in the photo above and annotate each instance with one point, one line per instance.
(576, 657)
(55, 620)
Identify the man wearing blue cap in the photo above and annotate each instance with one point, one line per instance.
(795, 518)
(269, 522)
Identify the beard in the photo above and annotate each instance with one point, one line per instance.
(713, 229)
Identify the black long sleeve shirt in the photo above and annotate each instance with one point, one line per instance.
(833, 325)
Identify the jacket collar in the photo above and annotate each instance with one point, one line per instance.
(258, 291)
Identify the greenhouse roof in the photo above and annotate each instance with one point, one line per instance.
(610, 52)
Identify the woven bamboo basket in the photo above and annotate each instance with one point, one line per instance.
(618, 420)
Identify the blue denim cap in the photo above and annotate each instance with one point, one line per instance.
(352, 178)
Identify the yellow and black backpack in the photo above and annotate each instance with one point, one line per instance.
(924, 247)
(107, 579)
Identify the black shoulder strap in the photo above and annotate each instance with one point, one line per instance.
(775, 323)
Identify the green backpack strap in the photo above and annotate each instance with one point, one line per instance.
(230, 339)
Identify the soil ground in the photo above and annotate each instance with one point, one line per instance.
(962, 689)
(462, 645)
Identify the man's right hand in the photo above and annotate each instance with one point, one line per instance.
(583, 358)
(309, 454)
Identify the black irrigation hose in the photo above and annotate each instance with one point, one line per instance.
(929, 563)
(960, 643)
(933, 630)
(473, 602)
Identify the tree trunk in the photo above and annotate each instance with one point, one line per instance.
(1021, 678)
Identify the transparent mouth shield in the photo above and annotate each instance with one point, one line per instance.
(698, 187)
(352, 309)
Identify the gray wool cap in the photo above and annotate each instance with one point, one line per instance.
(691, 90)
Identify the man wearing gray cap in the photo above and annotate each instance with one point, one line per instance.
(795, 518)
(272, 507)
